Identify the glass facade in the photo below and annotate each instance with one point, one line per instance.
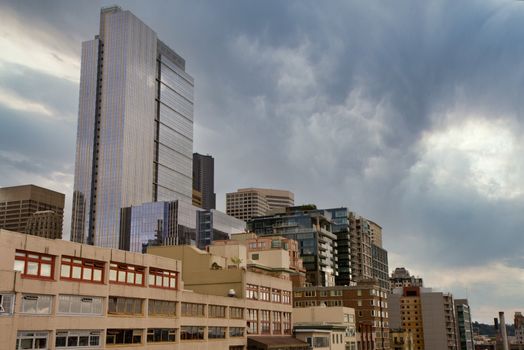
(215, 225)
(135, 127)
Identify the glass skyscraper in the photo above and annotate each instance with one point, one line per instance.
(135, 127)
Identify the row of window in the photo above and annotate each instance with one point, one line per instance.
(37, 265)
(80, 339)
(267, 322)
(93, 306)
(268, 294)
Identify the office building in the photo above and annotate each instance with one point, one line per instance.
(214, 225)
(401, 278)
(64, 295)
(311, 228)
(135, 127)
(326, 327)
(429, 316)
(464, 331)
(33, 210)
(204, 179)
(247, 203)
(367, 298)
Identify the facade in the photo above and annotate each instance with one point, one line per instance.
(464, 331)
(429, 316)
(361, 240)
(204, 179)
(326, 327)
(247, 203)
(33, 210)
(401, 278)
(65, 295)
(157, 223)
(400, 339)
(376, 233)
(519, 329)
(380, 270)
(311, 228)
(369, 301)
(213, 225)
(135, 127)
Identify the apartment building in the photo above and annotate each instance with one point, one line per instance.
(63, 295)
(464, 329)
(400, 277)
(33, 210)
(370, 302)
(429, 316)
(326, 327)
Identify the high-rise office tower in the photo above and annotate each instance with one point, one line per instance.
(33, 210)
(135, 127)
(247, 203)
(204, 179)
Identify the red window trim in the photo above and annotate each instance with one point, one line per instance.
(118, 268)
(160, 272)
(39, 261)
(71, 264)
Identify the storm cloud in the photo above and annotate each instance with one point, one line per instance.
(409, 113)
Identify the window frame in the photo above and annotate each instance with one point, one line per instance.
(200, 330)
(41, 259)
(124, 301)
(7, 308)
(126, 269)
(194, 306)
(220, 329)
(114, 336)
(96, 266)
(90, 333)
(152, 308)
(171, 276)
(71, 299)
(32, 335)
(28, 296)
(170, 332)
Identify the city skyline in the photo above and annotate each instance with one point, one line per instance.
(340, 113)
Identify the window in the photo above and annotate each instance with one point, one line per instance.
(157, 335)
(323, 293)
(264, 293)
(321, 342)
(161, 308)
(126, 274)
(336, 293)
(31, 340)
(162, 278)
(236, 331)
(286, 297)
(297, 294)
(194, 310)
(286, 316)
(77, 339)
(124, 336)
(236, 312)
(277, 322)
(276, 295)
(216, 332)
(124, 306)
(34, 264)
(7, 302)
(81, 269)
(255, 256)
(80, 305)
(264, 321)
(310, 293)
(252, 321)
(191, 333)
(36, 304)
(216, 311)
(251, 291)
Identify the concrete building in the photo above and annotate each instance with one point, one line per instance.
(370, 302)
(464, 331)
(322, 327)
(247, 203)
(400, 339)
(429, 316)
(204, 179)
(33, 210)
(311, 228)
(135, 127)
(62, 295)
(401, 278)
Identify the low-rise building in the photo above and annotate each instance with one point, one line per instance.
(62, 295)
(369, 300)
(326, 327)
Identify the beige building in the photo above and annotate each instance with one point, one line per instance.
(429, 316)
(32, 209)
(324, 327)
(247, 203)
(61, 295)
(401, 339)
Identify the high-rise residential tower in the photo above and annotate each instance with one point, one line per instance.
(204, 179)
(33, 210)
(135, 127)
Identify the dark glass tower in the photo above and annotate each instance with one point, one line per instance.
(204, 179)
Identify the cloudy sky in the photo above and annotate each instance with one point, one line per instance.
(408, 112)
